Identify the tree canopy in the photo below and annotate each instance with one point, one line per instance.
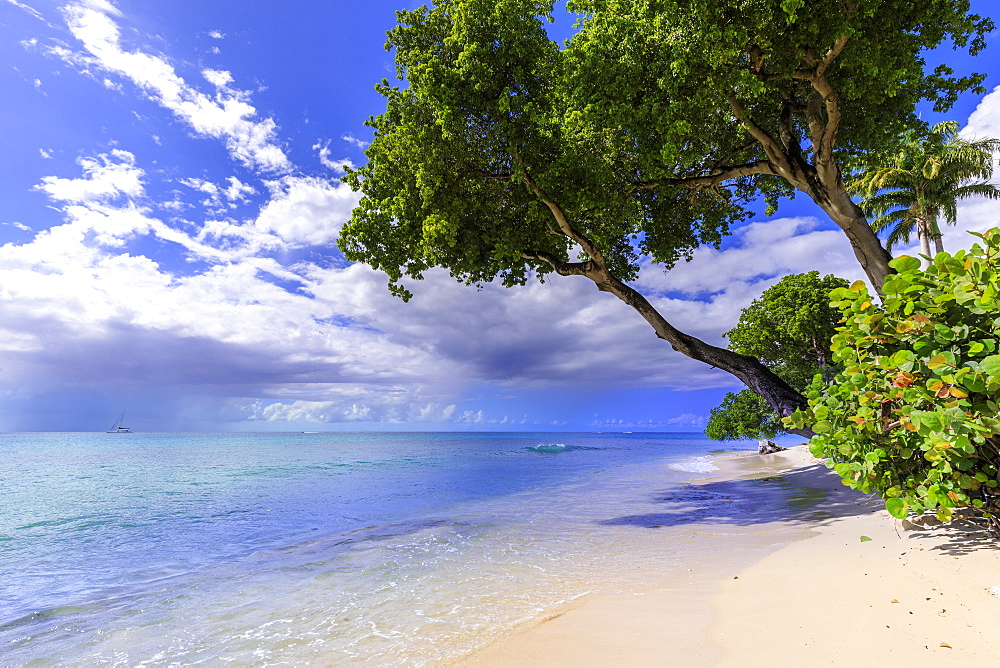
(504, 155)
(788, 328)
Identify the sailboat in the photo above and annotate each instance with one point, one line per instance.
(117, 427)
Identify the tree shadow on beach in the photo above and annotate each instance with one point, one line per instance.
(961, 536)
(792, 495)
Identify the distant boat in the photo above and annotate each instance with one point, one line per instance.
(117, 427)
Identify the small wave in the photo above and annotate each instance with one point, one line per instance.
(550, 448)
(695, 465)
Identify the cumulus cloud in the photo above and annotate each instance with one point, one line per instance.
(107, 176)
(985, 120)
(228, 115)
(354, 141)
(306, 211)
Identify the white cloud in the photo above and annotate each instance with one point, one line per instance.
(216, 34)
(688, 420)
(30, 10)
(760, 251)
(323, 148)
(985, 120)
(354, 141)
(237, 191)
(220, 198)
(471, 417)
(306, 211)
(218, 78)
(227, 116)
(107, 176)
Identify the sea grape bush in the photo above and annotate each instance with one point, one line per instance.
(914, 412)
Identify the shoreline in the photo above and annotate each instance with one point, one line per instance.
(812, 592)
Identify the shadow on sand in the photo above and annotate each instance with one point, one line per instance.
(958, 537)
(807, 494)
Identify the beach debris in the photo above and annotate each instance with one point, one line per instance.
(995, 590)
(766, 447)
(944, 644)
(865, 539)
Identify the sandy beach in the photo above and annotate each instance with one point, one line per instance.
(842, 583)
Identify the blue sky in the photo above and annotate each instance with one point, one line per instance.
(169, 206)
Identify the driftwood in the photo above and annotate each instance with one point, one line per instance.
(766, 447)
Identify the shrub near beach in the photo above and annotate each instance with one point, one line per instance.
(914, 413)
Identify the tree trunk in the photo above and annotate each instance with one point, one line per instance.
(780, 396)
(868, 250)
(924, 235)
(938, 244)
(826, 188)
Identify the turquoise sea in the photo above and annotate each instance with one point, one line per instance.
(335, 548)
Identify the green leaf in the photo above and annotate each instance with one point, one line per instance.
(905, 263)
(865, 539)
(896, 507)
(991, 365)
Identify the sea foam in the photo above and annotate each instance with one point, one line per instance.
(701, 464)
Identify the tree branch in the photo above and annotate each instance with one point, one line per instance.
(770, 146)
(824, 133)
(560, 216)
(716, 177)
(588, 268)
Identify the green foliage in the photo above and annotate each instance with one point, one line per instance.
(484, 115)
(743, 414)
(914, 414)
(788, 328)
(490, 115)
(920, 184)
(665, 75)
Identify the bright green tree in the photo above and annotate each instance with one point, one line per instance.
(504, 156)
(914, 413)
(919, 186)
(788, 328)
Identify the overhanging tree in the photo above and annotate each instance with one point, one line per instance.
(505, 156)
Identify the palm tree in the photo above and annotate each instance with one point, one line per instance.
(921, 185)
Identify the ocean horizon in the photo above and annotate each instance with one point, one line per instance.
(399, 548)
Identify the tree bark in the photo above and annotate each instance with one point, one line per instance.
(938, 244)
(924, 235)
(867, 247)
(820, 179)
(780, 396)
